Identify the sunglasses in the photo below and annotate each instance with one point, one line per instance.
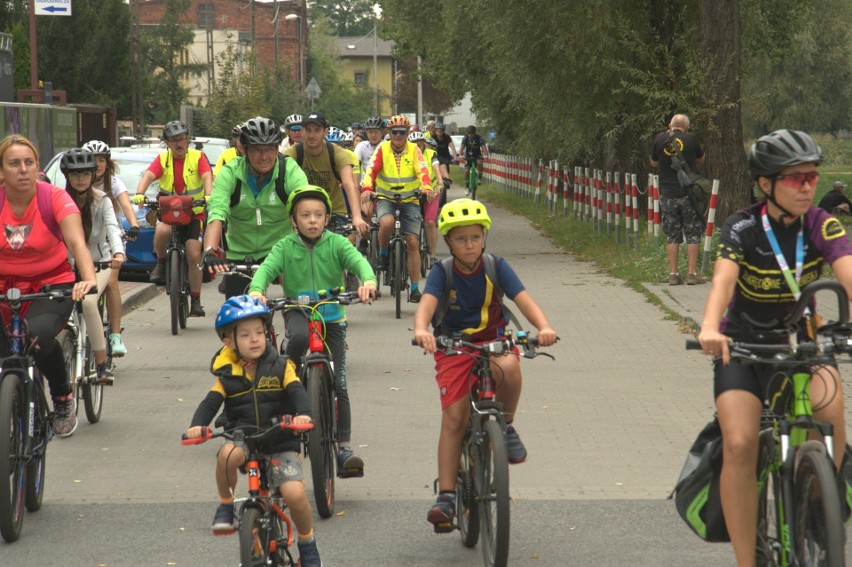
(399, 131)
(799, 179)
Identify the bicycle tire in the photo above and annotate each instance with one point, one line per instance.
(399, 267)
(818, 533)
(423, 247)
(473, 180)
(321, 440)
(183, 313)
(373, 257)
(91, 392)
(34, 495)
(173, 285)
(12, 469)
(769, 549)
(69, 353)
(493, 492)
(254, 539)
(467, 510)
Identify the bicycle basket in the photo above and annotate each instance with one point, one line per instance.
(176, 209)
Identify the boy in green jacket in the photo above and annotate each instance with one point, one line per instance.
(313, 259)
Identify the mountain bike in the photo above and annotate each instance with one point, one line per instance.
(800, 512)
(423, 243)
(265, 527)
(397, 273)
(176, 211)
(472, 177)
(482, 485)
(373, 248)
(317, 375)
(26, 420)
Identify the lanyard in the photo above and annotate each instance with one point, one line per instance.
(792, 282)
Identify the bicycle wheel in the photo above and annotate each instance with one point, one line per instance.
(818, 537)
(467, 512)
(373, 257)
(321, 440)
(69, 353)
(399, 267)
(35, 468)
(474, 180)
(12, 469)
(769, 550)
(423, 247)
(493, 494)
(183, 313)
(254, 539)
(91, 392)
(174, 288)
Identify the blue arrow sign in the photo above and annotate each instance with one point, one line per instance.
(54, 9)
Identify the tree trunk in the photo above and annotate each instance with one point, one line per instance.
(723, 137)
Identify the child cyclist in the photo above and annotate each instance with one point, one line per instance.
(256, 384)
(312, 259)
(476, 313)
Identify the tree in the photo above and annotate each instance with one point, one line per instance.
(435, 99)
(347, 18)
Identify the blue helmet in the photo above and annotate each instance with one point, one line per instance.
(334, 135)
(239, 308)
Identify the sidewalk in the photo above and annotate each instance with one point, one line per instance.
(135, 294)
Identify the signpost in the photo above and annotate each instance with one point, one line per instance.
(52, 7)
(313, 91)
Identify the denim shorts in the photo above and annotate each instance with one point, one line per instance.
(409, 215)
(285, 467)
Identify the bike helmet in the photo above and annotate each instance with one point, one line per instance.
(782, 148)
(439, 126)
(260, 131)
(239, 308)
(374, 122)
(414, 136)
(77, 159)
(238, 129)
(348, 136)
(308, 191)
(334, 134)
(97, 148)
(400, 121)
(430, 141)
(462, 212)
(174, 128)
(293, 120)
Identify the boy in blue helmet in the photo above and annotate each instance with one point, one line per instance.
(248, 364)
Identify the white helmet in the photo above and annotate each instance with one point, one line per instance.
(414, 136)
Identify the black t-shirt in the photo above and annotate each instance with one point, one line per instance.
(664, 148)
(832, 199)
(443, 146)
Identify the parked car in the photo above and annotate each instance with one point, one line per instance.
(212, 147)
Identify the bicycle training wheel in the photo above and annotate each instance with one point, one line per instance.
(12, 469)
(493, 490)
(321, 449)
(174, 288)
(35, 468)
(818, 533)
(398, 284)
(91, 392)
(467, 509)
(254, 539)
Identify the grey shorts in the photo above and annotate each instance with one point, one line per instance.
(680, 222)
(285, 467)
(410, 217)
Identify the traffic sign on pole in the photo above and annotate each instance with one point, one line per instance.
(52, 7)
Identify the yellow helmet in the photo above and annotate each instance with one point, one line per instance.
(463, 212)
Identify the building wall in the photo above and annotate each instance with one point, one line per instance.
(353, 65)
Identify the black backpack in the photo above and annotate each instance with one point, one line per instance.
(300, 157)
(279, 184)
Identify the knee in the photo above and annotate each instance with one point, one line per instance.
(740, 450)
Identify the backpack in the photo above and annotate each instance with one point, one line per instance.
(279, 184)
(490, 267)
(696, 186)
(44, 193)
(300, 157)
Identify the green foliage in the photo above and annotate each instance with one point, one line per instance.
(21, 54)
(347, 18)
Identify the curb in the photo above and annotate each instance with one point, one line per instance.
(137, 296)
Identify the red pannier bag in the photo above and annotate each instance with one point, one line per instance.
(176, 209)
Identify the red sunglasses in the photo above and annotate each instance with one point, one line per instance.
(799, 179)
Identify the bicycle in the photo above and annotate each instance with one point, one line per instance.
(373, 248)
(176, 210)
(265, 528)
(472, 177)
(317, 375)
(800, 516)
(482, 485)
(397, 272)
(423, 244)
(26, 420)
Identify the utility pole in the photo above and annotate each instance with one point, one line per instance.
(33, 49)
(253, 40)
(375, 68)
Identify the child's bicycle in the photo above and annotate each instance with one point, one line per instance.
(317, 375)
(265, 528)
(482, 486)
(800, 519)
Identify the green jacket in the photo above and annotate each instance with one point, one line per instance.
(310, 269)
(254, 225)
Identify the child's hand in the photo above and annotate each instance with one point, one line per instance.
(367, 292)
(547, 337)
(425, 339)
(258, 295)
(302, 420)
(194, 432)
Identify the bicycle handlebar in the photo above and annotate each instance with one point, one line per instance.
(14, 294)
(284, 422)
(334, 295)
(451, 346)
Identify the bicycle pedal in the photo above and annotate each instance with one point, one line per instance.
(445, 528)
(350, 473)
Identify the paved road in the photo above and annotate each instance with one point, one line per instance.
(607, 426)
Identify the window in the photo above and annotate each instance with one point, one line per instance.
(206, 14)
(360, 78)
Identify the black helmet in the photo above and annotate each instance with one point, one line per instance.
(374, 122)
(173, 128)
(782, 148)
(260, 131)
(77, 159)
(440, 126)
(238, 129)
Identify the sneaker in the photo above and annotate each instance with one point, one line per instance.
(195, 309)
(432, 261)
(309, 554)
(64, 416)
(695, 279)
(514, 446)
(467, 192)
(674, 279)
(348, 463)
(415, 296)
(158, 274)
(443, 512)
(116, 346)
(223, 520)
(383, 263)
(105, 375)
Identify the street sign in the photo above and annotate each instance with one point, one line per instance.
(313, 90)
(52, 7)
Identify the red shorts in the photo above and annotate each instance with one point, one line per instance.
(454, 375)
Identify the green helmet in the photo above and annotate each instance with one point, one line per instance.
(308, 191)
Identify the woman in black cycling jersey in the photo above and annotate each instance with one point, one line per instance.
(446, 150)
(767, 252)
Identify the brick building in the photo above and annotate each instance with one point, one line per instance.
(216, 22)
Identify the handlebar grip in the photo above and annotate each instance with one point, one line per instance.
(693, 344)
(286, 422)
(205, 435)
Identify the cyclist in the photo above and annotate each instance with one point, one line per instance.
(477, 314)
(329, 166)
(34, 253)
(446, 150)
(182, 171)
(256, 217)
(103, 235)
(753, 279)
(107, 181)
(365, 150)
(293, 129)
(235, 151)
(256, 384)
(474, 150)
(398, 167)
(313, 259)
(430, 129)
(430, 210)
